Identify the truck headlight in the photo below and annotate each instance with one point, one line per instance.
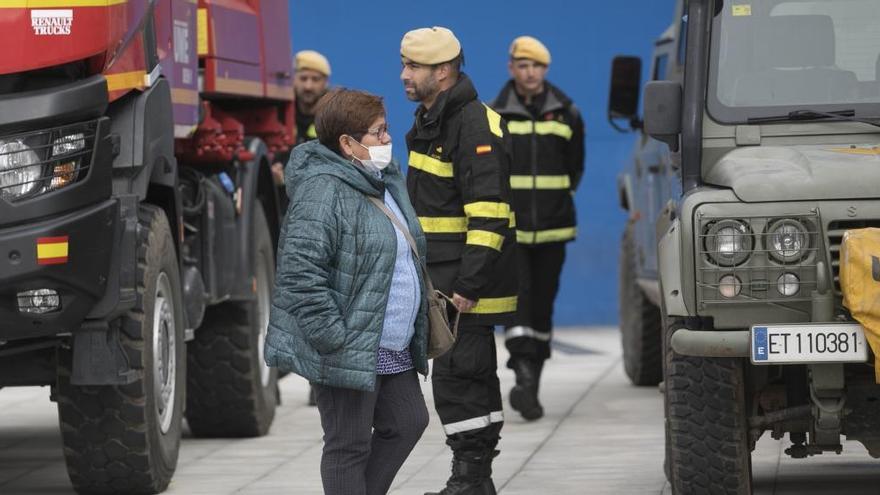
(20, 169)
(788, 241)
(728, 242)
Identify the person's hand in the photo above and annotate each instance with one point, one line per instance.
(462, 304)
(278, 173)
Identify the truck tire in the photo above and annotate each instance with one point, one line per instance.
(126, 438)
(707, 426)
(230, 390)
(640, 323)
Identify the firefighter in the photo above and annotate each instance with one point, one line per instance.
(458, 180)
(310, 82)
(548, 160)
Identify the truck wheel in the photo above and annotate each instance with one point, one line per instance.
(125, 438)
(230, 390)
(707, 426)
(640, 324)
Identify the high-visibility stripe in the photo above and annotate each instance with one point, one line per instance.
(543, 127)
(492, 305)
(474, 423)
(125, 80)
(51, 4)
(521, 331)
(485, 238)
(540, 181)
(550, 235)
(512, 220)
(487, 209)
(494, 121)
(431, 165)
(444, 225)
(311, 133)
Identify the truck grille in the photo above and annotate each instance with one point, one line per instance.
(836, 229)
(758, 274)
(35, 163)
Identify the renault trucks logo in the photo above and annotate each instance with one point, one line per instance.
(52, 22)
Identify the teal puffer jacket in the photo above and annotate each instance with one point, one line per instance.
(336, 257)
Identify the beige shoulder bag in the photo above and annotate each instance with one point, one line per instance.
(440, 336)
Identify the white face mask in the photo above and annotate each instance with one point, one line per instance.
(380, 157)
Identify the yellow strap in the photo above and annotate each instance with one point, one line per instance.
(444, 225)
(494, 121)
(487, 209)
(490, 305)
(431, 165)
(311, 132)
(485, 238)
(541, 236)
(540, 182)
(543, 127)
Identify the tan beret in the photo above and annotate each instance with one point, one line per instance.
(430, 46)
(310, 59)
(530, 48)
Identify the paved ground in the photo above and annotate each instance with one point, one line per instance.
(600, 436)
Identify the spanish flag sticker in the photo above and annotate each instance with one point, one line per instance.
(52, 250)
(484, 148)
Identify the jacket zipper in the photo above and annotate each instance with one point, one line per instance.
(534, 181)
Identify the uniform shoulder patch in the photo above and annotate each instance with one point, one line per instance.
(484, 148)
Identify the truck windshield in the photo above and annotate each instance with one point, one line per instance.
(771, 57)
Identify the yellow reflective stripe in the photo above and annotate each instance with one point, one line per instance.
(543, 127)
(490, 305)
(485, 238)
(520, 127)
(512, 220)
(553, 127)
(540, 182)
(494, 121)
(487, 209)
(444, 225)
(311, 132)
(551, 235)
(431, 165)
(125, 80)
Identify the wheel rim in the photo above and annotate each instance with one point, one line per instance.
(164, 352)
(263, 303)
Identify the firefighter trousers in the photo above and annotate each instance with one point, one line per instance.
(467, 394)
(539, 269)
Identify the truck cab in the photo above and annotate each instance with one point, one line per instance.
(775, 125)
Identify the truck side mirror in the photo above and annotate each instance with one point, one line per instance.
(663, 111)
(623, 102)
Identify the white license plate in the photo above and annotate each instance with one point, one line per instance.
(809, 343)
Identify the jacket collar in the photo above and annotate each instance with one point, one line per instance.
(429, 121)
(507, 102)
(313, 158)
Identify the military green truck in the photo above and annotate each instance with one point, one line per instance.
(771, 116)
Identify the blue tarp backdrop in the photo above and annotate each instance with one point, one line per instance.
(362, 42)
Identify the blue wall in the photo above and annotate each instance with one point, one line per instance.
(362, 41)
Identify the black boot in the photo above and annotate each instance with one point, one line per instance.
(471, 474)
(524, 395)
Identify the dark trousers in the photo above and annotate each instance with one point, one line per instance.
(467, 394)
(539, 269)
(368, 435)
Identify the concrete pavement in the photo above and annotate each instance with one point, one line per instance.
(600, 436)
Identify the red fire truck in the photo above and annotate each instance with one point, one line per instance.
(139, 221)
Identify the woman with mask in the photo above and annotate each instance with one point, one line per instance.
(349, 311)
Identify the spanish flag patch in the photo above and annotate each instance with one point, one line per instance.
(52, 250)
(484, 148)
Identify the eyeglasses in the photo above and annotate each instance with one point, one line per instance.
(380, 132)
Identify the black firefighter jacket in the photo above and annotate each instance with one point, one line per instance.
(459, 183)
(547, 165)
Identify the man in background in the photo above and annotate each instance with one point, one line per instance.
(548, 160)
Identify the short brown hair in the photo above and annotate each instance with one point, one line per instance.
(346, 112)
